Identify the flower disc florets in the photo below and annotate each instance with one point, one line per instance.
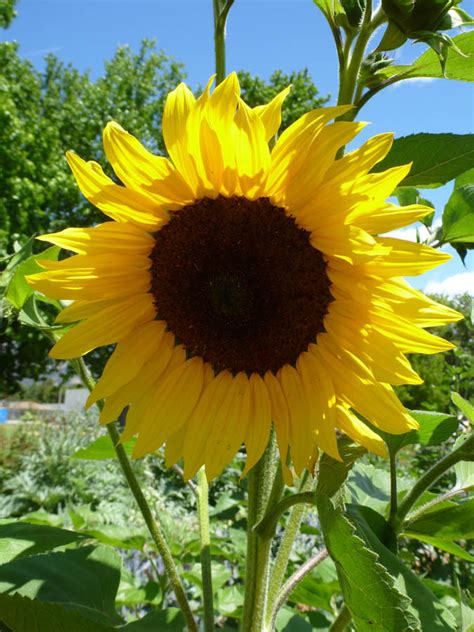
(239, 284)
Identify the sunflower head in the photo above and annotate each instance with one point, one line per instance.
(244, 286)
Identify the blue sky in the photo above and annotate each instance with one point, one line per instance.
(263, 35)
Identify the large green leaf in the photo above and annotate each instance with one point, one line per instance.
(460, 67)
(383, 606)
(102, 449)
(84, 579)
(20, 539)
(21, 614)
(436, 158)
(434, 429)
(18, 289)
(433, 616)
(369, 590)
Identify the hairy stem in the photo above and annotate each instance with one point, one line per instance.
(153, 527)
(293, 581)
(291, 531)
(260, 484)
(206, 572)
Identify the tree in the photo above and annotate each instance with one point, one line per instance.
(7, 12)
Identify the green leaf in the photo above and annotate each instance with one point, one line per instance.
(383, 606)
(464, 406)
(312, 592)
(102, 448)
(458, 214)
(330, 8)
(18, 289)
(332, 474)
(117, 536)
(431, 614)
(392, 38)
(444, 545)
(85, 579)
(21, 614)
(354, 10)
(20, 539)
(434, 429)
(369, 485)
(464, 471)
(436, 158)
(131, 595)
(460, 67)
(169, 620)
(449, 523)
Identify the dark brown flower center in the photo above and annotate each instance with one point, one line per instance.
(239, 283)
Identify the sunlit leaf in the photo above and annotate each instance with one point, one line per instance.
(20, 539)
(436, 158)
(434, 429)
(54, 577)
(102, 449)
(18, 289)
(460, 67)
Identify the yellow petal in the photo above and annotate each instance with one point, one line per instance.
(270, 113)
(386, 218)
(106, 327)
(136, 167)
(128, 358)
(107, 237)
(302, 439)
(360, 432)
(258, 430)
(170, 406)
(290, 151)
(322, 400)
(200, 423)
(229, 426)
(356, 385)
(179, 104)
(280, 413)
(119, 203)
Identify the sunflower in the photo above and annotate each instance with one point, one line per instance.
(245, 286)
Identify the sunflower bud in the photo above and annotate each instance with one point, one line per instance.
(413, 16)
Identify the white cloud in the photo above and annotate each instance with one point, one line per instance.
(452, 285)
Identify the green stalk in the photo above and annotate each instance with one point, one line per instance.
(206, 571)
(260, 486)
(221, 10)
(153, 527)
(462, 452)
(284, 551)
(393, 486)
(292, 582)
